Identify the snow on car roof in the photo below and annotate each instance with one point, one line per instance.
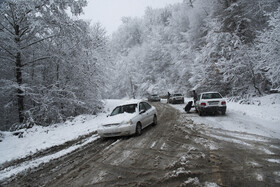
(208, 92)
(131, 101)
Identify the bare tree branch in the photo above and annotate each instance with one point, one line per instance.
(8, 51)
(23, 32)
(13, 16)
(7, 29)
(38, 41)
(36, 60)
(9, 21)
(4, 57)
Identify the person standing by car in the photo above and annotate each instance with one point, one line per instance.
(168, 97)
(194, 96)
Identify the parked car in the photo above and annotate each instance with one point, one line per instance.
(210, 102)
(176, 98)
(128, 119)
(154, 98)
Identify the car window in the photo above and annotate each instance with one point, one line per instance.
(116, 111)
(147, 106)
(142, 106)
(130, 108)
(177, 94)
(211, 96)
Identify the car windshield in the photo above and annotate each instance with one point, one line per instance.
(211, 96)
(131, 108)
(177, 94)
(154, 95)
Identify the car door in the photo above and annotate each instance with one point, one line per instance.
(143, 116)
(149, 112)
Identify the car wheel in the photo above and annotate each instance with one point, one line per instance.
(200, 113)
(155, 120)
(223, 112)
(138, 130)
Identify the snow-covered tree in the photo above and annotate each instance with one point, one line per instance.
(204, 45)
(52, 63)
(267, 53)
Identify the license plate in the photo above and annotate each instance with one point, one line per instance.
(214, 103)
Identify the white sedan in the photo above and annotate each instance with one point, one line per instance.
(128, 119)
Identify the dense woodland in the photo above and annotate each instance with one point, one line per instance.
(55, 65)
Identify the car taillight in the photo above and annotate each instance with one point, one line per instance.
(223, 103)
(203, 104)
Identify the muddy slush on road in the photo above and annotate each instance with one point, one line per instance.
(176, 152)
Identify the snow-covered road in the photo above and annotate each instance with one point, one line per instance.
(256, 127)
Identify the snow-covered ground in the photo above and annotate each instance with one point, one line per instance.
(260, 117)
(39, 138)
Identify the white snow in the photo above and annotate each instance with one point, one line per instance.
(253, 122)
(8, 172)
(153, 144)
(210, 184)
(40, 138)
(259, 177)
(274, 160)
(193, 181)
(163, 146)
(260, 117)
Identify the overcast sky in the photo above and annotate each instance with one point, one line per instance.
(110, 12)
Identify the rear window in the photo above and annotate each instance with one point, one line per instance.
(177, 94)
(211, 96)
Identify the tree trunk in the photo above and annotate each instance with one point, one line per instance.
(20, 93)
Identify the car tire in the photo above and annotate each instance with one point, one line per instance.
(155, 120)
(223, 113)
(200, 113)
(138, 130)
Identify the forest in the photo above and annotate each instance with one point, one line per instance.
(55, 66)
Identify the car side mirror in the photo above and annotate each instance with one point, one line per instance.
(142, 111)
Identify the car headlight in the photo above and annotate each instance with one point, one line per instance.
(129, 122)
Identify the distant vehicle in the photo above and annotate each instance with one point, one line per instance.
(154, 98)
(129, 119)
(176, 98)
(210, 102)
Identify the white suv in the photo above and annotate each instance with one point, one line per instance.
(210, 102)
(176, 98)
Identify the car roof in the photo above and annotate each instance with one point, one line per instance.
(208, 92)
(131, 101)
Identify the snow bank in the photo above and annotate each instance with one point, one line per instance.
(258, 116)
(40, 138)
